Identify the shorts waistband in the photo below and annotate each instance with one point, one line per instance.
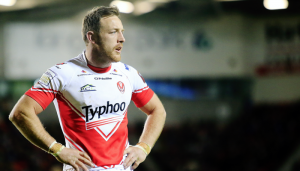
(100, 168)
(107, 167)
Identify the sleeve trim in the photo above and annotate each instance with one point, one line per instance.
(42, 96)
(142, 98)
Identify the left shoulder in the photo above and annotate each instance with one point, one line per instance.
(124, 67)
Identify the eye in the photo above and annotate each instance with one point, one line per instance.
(113, 32)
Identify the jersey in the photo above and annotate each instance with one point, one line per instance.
(91, 105)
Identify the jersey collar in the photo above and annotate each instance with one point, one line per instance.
(99, 70)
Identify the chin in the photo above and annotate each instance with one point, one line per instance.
(116, 58)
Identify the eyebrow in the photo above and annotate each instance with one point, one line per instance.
(118, 29)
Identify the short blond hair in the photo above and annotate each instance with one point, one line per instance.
(91, 21)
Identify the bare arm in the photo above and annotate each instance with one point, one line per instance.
(24, 117)
(153, 126)
(155, 121)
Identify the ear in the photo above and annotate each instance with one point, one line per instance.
(91, 37)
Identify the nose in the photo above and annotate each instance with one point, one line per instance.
(121, 38)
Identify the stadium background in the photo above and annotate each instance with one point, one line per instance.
(226, 71)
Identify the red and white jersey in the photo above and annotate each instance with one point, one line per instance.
(91, 104)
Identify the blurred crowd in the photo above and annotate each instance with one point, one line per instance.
(260, 139)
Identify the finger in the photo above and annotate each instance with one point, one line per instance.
(86, 156)
(86, 161)
(127, 159)
(127, 150)
(135, 165)
(73, 164)
(82, 165)
(130, 162)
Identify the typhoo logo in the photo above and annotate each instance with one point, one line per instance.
(100, 110)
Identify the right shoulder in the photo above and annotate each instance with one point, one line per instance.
(69, 68)
(62, 73)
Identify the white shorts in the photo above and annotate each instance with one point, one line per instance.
(108, 168)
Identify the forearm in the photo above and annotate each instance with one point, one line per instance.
(24, 117)
(33, 130)
(153, 126)
(152, 130)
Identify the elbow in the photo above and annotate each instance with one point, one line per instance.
(15, 117)
(12, 116)
(159, 112)
(164, 113)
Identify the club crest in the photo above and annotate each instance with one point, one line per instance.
(121, 86)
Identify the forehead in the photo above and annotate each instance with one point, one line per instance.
(111, 22)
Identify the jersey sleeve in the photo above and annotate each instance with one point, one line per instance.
(45, 90)
(141, 93)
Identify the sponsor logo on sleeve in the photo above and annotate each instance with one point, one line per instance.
(47, 77)
(87, 87)
(126, 67)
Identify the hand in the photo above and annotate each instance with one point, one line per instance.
(134, 155)
(75, 158)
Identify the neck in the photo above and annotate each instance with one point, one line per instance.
(96, 59)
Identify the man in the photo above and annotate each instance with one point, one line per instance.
(91, 94)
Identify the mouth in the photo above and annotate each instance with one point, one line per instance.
(118, 49)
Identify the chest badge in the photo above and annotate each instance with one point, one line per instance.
(121, 86)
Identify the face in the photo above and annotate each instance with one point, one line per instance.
(111, 38)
